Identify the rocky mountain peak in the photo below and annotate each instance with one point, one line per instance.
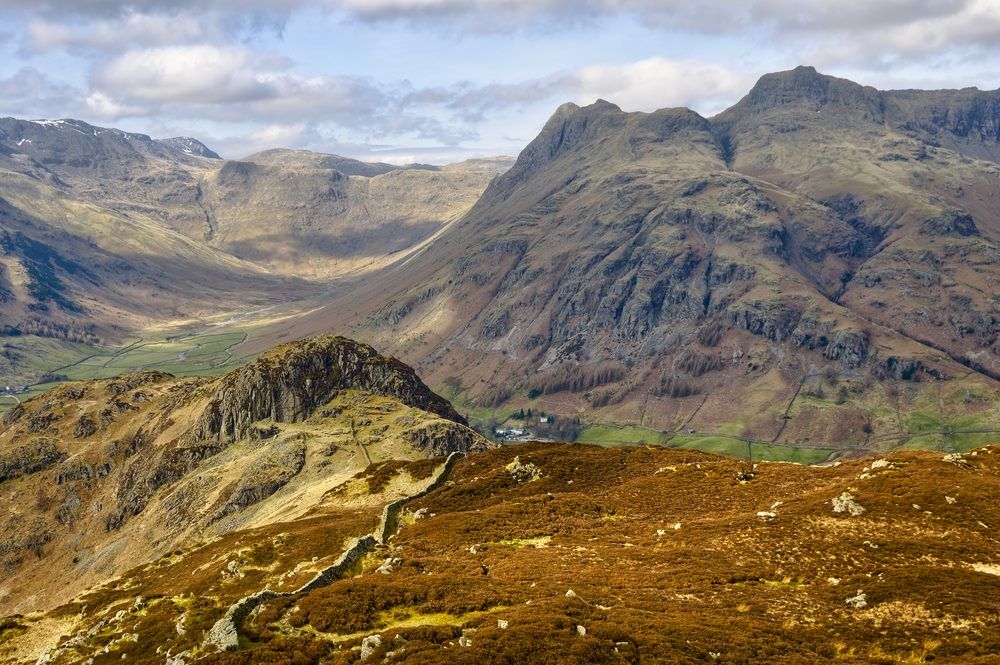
(806, 88)
(288, 383)
(189, 146)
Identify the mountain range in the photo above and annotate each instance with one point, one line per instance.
(814, 266)
(817, 263)
(105, 232)
(809, 276)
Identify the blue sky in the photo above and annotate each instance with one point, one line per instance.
(441, 80)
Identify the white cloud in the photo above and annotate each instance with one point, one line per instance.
(233, 84)
(30, 92)
(656, 83)
(203, 62)
(189, 74)
(117, 33)
(399, 160)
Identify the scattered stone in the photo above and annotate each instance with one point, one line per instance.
(389, 565)
(766, 515)
(179, 626)
(369, 646)
(859, 601)
(571, 594)
(223, 635)
(877, 465)
(85, 427)
(523, 472)
(581, 631)
(958, 460)
(661, 532)
(502, 624)
(845, 503)
(464, 641)
(950, 499)
(677, 526)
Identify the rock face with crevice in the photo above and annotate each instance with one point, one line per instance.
(100, 476)
(290, 382)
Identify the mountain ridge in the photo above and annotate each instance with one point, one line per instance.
(756, 248)
(107, 474)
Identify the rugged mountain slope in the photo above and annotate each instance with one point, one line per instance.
(311, 214)
(100, 476)
(103, 232)
(746, 273)
(73, 269)
(530, 554)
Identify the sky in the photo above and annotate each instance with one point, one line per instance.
(443, 80)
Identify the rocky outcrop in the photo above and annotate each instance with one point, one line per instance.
(73, 469)
(905, 369)
(32, 457)
(267, 475)
(290, 382)
(127, 382)
(849, 347)
(523, 472)
(951, 223)
(438, 439)
(773, 321)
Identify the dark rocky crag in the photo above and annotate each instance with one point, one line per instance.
(289, 383)
(99, 476)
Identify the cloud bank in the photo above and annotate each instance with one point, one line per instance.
(223, 63)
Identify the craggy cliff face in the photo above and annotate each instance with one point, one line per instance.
(741, 273)
(100, 476)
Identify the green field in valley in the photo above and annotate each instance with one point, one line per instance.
(629, 435)
(205, 353)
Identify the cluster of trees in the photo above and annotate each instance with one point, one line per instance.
(575, 378)
(696, 364)
(671, 385)
(53, 331)
(528, 414)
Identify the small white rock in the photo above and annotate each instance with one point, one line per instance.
(859, 601)
(845, 503)
(370, 645)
